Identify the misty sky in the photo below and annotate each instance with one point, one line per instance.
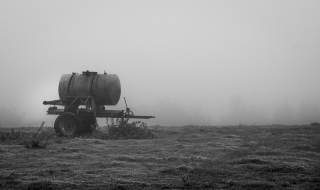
(185, 62)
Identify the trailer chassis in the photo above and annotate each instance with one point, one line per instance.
(73, 120)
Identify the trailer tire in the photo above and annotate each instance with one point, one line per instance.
(67, 124)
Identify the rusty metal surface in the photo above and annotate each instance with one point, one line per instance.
(105, 88)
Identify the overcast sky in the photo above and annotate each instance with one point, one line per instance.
(186, 62)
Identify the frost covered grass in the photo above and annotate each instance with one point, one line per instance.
(34, 139)
(190, 157)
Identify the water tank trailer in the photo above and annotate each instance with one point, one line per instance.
(91, 91)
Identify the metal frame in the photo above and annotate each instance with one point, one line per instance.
(97, 112)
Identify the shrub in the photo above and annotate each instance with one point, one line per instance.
(35, 144)
(123, 129)
(315, 124)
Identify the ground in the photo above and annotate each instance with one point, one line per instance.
(189, 157)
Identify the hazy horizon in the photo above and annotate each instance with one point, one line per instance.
(184, 62)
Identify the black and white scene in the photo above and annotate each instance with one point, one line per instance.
(150, 94)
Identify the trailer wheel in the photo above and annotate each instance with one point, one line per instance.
(67, 124)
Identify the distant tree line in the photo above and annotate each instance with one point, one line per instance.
(284, 114)
(306, 114)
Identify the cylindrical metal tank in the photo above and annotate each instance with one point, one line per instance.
(105, 88)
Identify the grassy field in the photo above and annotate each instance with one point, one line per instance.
(190, 157)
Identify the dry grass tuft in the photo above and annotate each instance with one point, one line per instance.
(250, 160)
(33, 140)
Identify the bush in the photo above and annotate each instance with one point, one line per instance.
(123, 129)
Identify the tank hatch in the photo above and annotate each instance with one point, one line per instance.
(89, 73)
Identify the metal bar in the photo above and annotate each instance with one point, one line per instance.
(71, 103)
(131, 116)
(84, 103)
(53, 102)
(139, 117)
(119, 114)
(92, 84)
(73, 74)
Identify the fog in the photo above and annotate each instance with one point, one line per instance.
(185, 62)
